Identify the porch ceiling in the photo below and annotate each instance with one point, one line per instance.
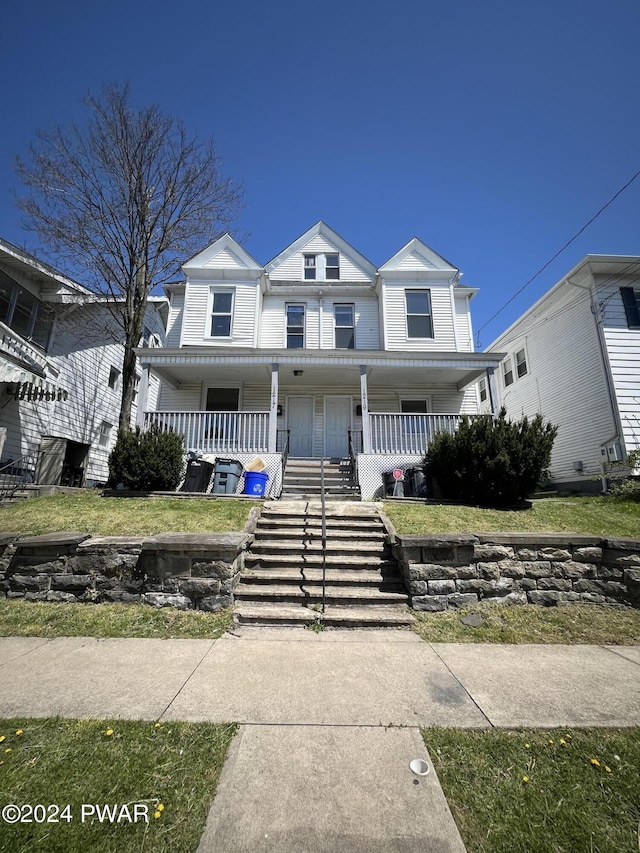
(320, 368)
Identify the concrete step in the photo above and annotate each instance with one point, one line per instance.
(306, 533)
(335, 616)
(295, 561)
(334, 509)
(311, 593)
(314, 575)
(313, 496)
(306, 548)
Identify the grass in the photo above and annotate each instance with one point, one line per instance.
(54, 619)
(171, 769)
(530, 623)
(541, 792)
(593, 516)
(88, 512)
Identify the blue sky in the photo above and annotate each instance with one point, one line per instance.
(493, 131)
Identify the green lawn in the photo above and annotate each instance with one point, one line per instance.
(531, 623)
(55, 619)
(88, 512)
(169, 771)
(564, 791)
(595, 516)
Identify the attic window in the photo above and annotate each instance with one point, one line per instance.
(332, 267)
(631, 302)
(309, 267)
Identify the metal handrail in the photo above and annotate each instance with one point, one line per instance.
(13, 475)
(284, 451)
(324, 535)
(352, 453)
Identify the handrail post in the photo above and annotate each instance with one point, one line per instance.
(324, 536)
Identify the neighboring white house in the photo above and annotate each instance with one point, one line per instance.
(60, 370)
(319, 353)
(574, 357)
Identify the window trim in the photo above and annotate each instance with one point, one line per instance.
(352, 326)
(288, 305)
(411, 290)
(332, 267)
(210, 314)
(631, 303)
(518, 364)
(311, 268)
(404, 398)
(114, 377)
(483, 388)
(507, 370)
(104, 435)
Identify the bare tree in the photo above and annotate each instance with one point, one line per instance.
(127, 197)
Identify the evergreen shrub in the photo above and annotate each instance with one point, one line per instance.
(491, 461)
(146, 461)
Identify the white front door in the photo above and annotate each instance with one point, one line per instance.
(300, 425)
(337, 423)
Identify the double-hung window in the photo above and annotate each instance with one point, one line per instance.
(521, 363)
(221, 313)
(345, 326)
(483, 390)
(332, 266)
(419, 317)
(631, 302)
(309, 267)
(507, 372)
(295, 326)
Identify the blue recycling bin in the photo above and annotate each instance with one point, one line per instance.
(255, 483)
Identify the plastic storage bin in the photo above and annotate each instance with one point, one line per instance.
(415, 483)
(255, 483)
(198, 476)
(226, 475)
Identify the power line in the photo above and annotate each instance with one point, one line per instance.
(557, 254)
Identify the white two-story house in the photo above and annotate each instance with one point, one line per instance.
(60, 373)
(318, 353)
(574, 357)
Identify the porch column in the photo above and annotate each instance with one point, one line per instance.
(494, 390)
(364, 402)
(273, 411)
(143, 396)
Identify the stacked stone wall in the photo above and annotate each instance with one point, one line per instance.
(441, 572)
(187, 571)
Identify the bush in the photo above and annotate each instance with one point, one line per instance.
(621, 485)
(146, 461)
(491, 461)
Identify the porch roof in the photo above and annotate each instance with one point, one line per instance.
(183, 365)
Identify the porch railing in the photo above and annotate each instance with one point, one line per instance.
(393, 433)
(18, 473)
(216, 432)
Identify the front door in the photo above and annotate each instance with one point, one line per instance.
(337, 423)
(300, 426)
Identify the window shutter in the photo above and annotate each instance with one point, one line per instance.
(630, 307)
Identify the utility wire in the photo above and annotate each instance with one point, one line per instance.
(557, 254)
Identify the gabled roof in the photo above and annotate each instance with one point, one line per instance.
(340, 244)
(224, 253)
(416, 254)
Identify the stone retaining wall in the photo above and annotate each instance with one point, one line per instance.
(181, 570)
(447, 571)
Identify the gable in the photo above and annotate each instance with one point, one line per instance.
(320, 241)
(225, 254)
(416, 256)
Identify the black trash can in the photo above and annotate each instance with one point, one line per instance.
(392, 488)
(415, 484)
(226, 474)
(198, 476)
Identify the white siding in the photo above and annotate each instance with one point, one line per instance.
(187, 398)
(623, 347)
(197, 319)
(463, 324)
(291, 268)
(415, 261)
(395, 317)
(174, 323)
(226, 259)
(565, 381)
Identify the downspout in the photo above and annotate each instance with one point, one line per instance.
(452, 283)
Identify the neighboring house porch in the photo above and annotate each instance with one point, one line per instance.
(378, 409)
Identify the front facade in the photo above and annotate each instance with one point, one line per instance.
(60, 373)
(574, 357)
(317, 354)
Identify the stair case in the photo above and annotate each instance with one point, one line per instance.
(282, 580)
(302, 480)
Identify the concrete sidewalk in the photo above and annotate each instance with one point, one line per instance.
(329, 721)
